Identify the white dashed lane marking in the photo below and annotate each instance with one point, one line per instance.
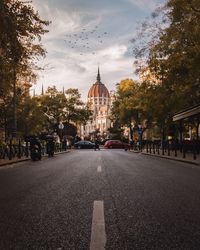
(99, 169)
(98, 235)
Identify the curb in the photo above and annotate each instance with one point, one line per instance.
(13, 162)
(27, 159)
(59, 153)
(173, 159)
(134, 151)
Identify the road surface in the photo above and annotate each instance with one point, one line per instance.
(89, 199)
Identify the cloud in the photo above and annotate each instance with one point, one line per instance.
(114, 52)
(77, 67)
(145, 5)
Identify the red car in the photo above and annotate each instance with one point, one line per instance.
(116, 144)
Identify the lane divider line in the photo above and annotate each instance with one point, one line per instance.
(99, 170)
(98, 234)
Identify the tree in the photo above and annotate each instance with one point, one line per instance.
(31, 118)
(77, 112)
(168, 61)
(127, 109)
(54, 103)
(66, 108)
(175, 58)
(43, 113)
(21, 29)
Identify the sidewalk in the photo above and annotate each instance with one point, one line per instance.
(179, 157)
(4, 162)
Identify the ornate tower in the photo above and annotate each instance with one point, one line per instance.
(99, 99)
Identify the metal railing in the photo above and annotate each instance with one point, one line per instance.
(10, 150)
(174, 148)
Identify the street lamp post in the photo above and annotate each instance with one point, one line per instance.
(61, 127)
(140, 132)
(14, 131)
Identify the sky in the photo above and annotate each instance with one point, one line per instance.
(86, 33)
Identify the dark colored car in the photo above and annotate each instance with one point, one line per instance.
(84, 145)
(116, 144)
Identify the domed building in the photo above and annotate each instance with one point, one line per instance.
(100, 101)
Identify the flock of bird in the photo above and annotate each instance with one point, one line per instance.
(86, 41)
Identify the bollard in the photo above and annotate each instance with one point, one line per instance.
(184, 151)
(19, 149)
(168, 149)
(150, 147)
(43, 148)
(26, 151)
(181, 147)
(154, 148)
(194, 150)
(10, 150)
(163, 150)
(175, 149)
(147, 147)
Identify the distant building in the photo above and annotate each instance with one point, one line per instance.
(100, 101)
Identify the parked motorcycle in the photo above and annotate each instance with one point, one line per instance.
(35, 153)
(35, 149)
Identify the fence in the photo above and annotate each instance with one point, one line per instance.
(173, 148)
(17, 149)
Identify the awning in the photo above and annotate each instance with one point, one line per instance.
(186, 113)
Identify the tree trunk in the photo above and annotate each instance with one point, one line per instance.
(131, 132)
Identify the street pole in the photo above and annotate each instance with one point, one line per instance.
(140, 131)
(61, 127)
(14, 131)
(61, 134)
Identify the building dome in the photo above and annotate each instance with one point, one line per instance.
(98, 89)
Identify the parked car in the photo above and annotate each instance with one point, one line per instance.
(84, 145)
(116, 144)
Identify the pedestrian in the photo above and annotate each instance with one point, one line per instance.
(64, 144)
(96, 142)
(50, 146)
(131, 144)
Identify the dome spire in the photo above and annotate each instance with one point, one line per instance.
(98, 76)
(42, 92)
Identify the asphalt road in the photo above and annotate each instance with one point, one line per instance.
(148, 202)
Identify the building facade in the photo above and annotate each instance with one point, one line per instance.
(100, 102)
